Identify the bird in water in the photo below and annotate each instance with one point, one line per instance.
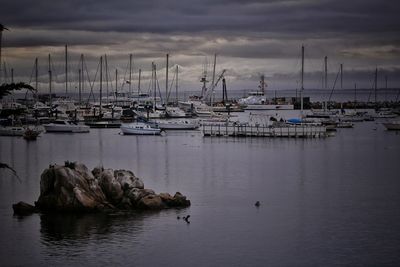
(257, 204)
(186, 218)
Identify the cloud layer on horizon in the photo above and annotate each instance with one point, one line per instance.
(250, 37)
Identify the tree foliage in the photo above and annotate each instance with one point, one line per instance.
(7, 88)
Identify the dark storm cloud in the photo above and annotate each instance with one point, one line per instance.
(250, 37)
(298, 17)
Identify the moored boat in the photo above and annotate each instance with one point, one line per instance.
(177, 124)
(139, 128)
(64, 126)
(12, 131)
(392, 126)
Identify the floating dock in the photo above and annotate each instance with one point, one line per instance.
(301, 131)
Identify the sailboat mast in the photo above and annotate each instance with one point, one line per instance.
(83, 73)
(101, 81)
(36, 79)
(116, 85)
(66, 70)
(50, 80)
(153, 67)
(341, 76)
(166, 80)
(376, 83)
(326, 80)
(213, 80)
(355, 96)
(79, 86)
(302, 80)
(176, 85)
(140, 76)
(130, 75)
(106, 63)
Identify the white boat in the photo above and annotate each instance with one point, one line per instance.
(385, 115)
(392, 126)
(64, 126)
(344, 124)
(139, 128)
(269, 107)
(258, 101)
(175, 112)
(12, 131)
(177, 124)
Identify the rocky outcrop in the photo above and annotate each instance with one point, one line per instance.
(73, 187)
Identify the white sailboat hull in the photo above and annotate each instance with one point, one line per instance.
(139, 129)
(269, 107)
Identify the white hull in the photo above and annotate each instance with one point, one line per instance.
(54, 128)
(12, 131)
(178, 125)
(139, 129)
(269, 107)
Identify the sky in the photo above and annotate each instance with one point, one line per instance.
(250, 38)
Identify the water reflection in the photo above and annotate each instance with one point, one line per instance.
(57, 228)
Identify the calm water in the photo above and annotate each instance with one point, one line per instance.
(324, 202)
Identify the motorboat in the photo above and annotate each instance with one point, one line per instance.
(392, 125)
(177, 124)
(64, 126)
(139, 128)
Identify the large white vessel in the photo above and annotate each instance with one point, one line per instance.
(139, 128)
(258, 101)
(64, 126)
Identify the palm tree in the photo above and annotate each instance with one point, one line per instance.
(7, 88)
(5, 166)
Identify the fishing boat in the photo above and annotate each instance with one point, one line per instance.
(392, 126)
(64, 126)
(257, 100)
(139, 128)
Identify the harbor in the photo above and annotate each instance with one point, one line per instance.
(200, 133)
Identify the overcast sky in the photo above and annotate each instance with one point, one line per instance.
(251, 38)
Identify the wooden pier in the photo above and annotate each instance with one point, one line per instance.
(301, 131)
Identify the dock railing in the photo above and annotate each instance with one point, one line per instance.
(243, 130)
